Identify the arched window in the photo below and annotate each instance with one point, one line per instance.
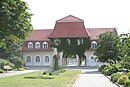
(94, 44)
(37, 58)
(45, 45)
(30, 45)
(28, 59)
(46, 58)
(37, 45)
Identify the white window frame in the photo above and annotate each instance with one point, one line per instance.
(45, 45)
(37, 45)
(30, 45)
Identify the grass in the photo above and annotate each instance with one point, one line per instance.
(65, 79)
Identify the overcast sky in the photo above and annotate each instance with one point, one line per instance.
(95, 13)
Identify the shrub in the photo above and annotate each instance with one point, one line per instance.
(122, 79)
(44, 73)
(127, 83)
(4, 62)
(1, 71)
(50, 73)
(128, 74)
(17, 61)
(102, 67)
(115, 76)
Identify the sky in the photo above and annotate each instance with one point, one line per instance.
(95, 13)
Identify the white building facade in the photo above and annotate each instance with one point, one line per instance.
(37, 50)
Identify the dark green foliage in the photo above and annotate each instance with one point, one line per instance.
(44, 73)
(73, 48)
(107, 50)
(50, 73)
(127, 83)
(124, 48)
(115, 76)
(122, 79)
(17, 61)
(15, 24)
(102, 67)
(55, 63)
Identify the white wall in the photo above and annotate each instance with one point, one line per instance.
(42, 55)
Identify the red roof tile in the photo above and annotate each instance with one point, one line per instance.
(95, 32)
(70, 18)
(39, 35)
(69, 26)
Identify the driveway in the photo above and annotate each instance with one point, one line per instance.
(92, 78)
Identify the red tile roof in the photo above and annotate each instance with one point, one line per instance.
(70, 18)
(39, 35)
(69, 26)
(43, 34)
(95, 32)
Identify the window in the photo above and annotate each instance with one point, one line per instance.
(78, 41)
(93, 44)
(37, 58)
(37, 45)
(28, 59)
(30, 45)
(45, 45)
(46, 58)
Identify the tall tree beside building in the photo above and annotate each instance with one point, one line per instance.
(124, 50)
(107, 50)
(15, 24)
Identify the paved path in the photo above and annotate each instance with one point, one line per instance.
(92, 78)
(12, 73)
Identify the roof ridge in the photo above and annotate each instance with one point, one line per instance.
(64, 19)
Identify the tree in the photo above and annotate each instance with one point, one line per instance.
(107, 50)
(17, 61)
(15, 24)
(71, 46)
(124, 50)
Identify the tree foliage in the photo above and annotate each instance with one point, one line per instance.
(124, 50)
(107, 50)
(15, 24)
(71, 46)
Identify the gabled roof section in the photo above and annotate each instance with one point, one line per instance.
(39, 35)
(95, 32)
(70, 18)
(69, 27)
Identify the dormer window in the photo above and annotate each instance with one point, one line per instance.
(37, 45)
(45, 45)
(30, 45)
(94, 44)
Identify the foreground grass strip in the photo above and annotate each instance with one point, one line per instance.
(61, 80)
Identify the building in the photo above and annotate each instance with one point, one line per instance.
(37, 49)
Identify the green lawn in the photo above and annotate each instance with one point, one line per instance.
(62, 80)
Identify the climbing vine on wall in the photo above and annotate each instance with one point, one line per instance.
(71, 46)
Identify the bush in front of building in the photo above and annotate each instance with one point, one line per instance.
(101, 68)
(128, 74)
(110, 69)
(116, 76)
(127, 83)
(17, 61)
(122, 79)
